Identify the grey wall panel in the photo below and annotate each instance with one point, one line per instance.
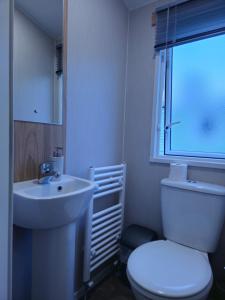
(96, 82)
(5, 150)
(97, 46)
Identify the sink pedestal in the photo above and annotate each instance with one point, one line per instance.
(53, 263)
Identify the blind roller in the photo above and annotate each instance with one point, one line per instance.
(59, 59)
(194, 19)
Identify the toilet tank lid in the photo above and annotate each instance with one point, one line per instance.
(196, 186)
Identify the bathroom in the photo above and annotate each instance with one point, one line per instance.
(108, 108)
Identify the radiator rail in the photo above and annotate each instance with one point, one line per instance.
(103, 228)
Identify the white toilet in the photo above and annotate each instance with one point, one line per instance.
(178, 268)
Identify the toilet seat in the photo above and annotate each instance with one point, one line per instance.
(142, 294)
(167, 269)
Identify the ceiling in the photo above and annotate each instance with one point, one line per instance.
(50, 17)
(133, 4)
(47, 14)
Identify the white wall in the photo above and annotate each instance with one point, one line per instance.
(34, 54)
(97, 45)
(143, 180)
(5, 153)
(97, 41)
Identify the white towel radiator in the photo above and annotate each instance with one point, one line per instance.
(103, 228)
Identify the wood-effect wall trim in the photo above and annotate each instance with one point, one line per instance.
(33, 144)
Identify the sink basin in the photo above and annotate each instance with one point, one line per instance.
(42, 206)
(51, 211)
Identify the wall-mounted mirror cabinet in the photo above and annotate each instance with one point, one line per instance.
(38, 61)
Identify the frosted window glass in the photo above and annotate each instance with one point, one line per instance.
(198, 96)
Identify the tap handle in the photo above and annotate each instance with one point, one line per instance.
(46, 168)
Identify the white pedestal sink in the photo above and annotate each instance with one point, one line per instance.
(51, 211)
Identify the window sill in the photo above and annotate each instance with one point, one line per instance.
(190, 161)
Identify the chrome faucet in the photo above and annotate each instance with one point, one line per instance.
(47, 172)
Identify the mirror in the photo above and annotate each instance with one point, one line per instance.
(38, 61)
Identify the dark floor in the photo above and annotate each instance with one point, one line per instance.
(113, 288)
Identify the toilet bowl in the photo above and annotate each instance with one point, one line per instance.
(178, 268)
(166, 270)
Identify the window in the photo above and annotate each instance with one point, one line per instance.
(189, 115)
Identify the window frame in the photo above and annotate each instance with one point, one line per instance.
(162, 87)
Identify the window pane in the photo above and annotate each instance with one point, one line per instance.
(198, 96)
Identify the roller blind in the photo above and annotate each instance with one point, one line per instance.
(191, 20)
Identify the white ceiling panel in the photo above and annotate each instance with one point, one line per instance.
(47, 14)
(133, 4)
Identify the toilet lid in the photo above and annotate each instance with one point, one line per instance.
(169, 269)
